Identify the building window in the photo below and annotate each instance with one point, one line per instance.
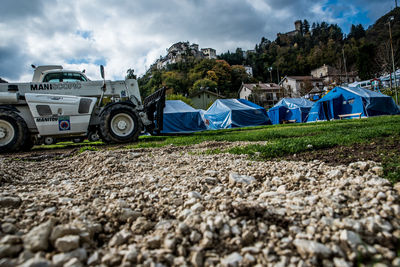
(208, 96)
(199, 96)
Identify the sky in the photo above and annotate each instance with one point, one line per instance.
(123, 34)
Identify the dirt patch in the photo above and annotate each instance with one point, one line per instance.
(377, 151)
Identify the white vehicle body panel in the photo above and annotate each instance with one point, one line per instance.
(117, 89)
(62, 116)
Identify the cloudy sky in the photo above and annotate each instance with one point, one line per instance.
(122, 34)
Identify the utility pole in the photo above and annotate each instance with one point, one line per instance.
(391, 47)
(345, 68)
(277, 70)
(270, 73)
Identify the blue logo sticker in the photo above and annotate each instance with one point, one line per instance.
(64, 123)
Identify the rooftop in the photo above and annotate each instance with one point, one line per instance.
(304, 78)
(262, 86)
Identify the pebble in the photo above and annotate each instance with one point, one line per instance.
(350, 238)
(37, 238)
(67, 243)
(241, 179)
(9, 228)
(232, 260)
(10, 201)
(308, 248)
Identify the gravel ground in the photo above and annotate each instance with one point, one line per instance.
(163, 207)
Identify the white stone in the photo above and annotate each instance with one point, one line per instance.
(335, 174)
(311, 248)
(194, 194)
(281, 189)
(198, 207)
(74, 262)
(381, 196)
(61, 258)
(350, 237)
(120, 238)
(67, 243)
(232, 260)
(341, 262)
(237, 178)
(37, 238)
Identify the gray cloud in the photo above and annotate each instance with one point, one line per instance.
(126, 34)
(21, 9)
(10, 65)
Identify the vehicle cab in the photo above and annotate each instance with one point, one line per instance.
(64, 76)
(55, 73)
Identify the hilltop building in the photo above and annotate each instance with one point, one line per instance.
(179, 51)
(297, 30)
(209, 53)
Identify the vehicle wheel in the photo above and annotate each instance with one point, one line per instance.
(49, 140)
(13, 131)
(120, 124)
(78, 139)
(93, 136)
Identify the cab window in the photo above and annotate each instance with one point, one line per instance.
(73, 77)
(64, 77)
(52, 78)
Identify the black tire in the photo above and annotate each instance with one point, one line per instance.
(15, 130)
(113, 120)
(29, 143)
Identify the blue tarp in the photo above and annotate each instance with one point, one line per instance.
(345, 100)
(290, 109)
(180, 118)
(230, 113)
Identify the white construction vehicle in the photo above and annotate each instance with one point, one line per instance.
(66, 104)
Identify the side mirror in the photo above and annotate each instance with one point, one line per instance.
(102, 71)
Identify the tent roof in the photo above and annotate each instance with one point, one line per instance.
(234, 104)
(295, 103)
(177, 106)
(359, 91)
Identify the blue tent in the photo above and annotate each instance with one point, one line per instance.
(230, 113)
(290, 109)
(180, 118)
(345, 100)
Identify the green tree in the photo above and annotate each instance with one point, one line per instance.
(130, 74)
(306, 27)
(239, 76)
(223, 71)
(180, 97)
(174, 80)
(203, 84)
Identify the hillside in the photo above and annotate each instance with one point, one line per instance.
(295, 53)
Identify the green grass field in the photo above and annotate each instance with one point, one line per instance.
(289, 139)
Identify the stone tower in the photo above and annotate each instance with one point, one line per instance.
(297, 25)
